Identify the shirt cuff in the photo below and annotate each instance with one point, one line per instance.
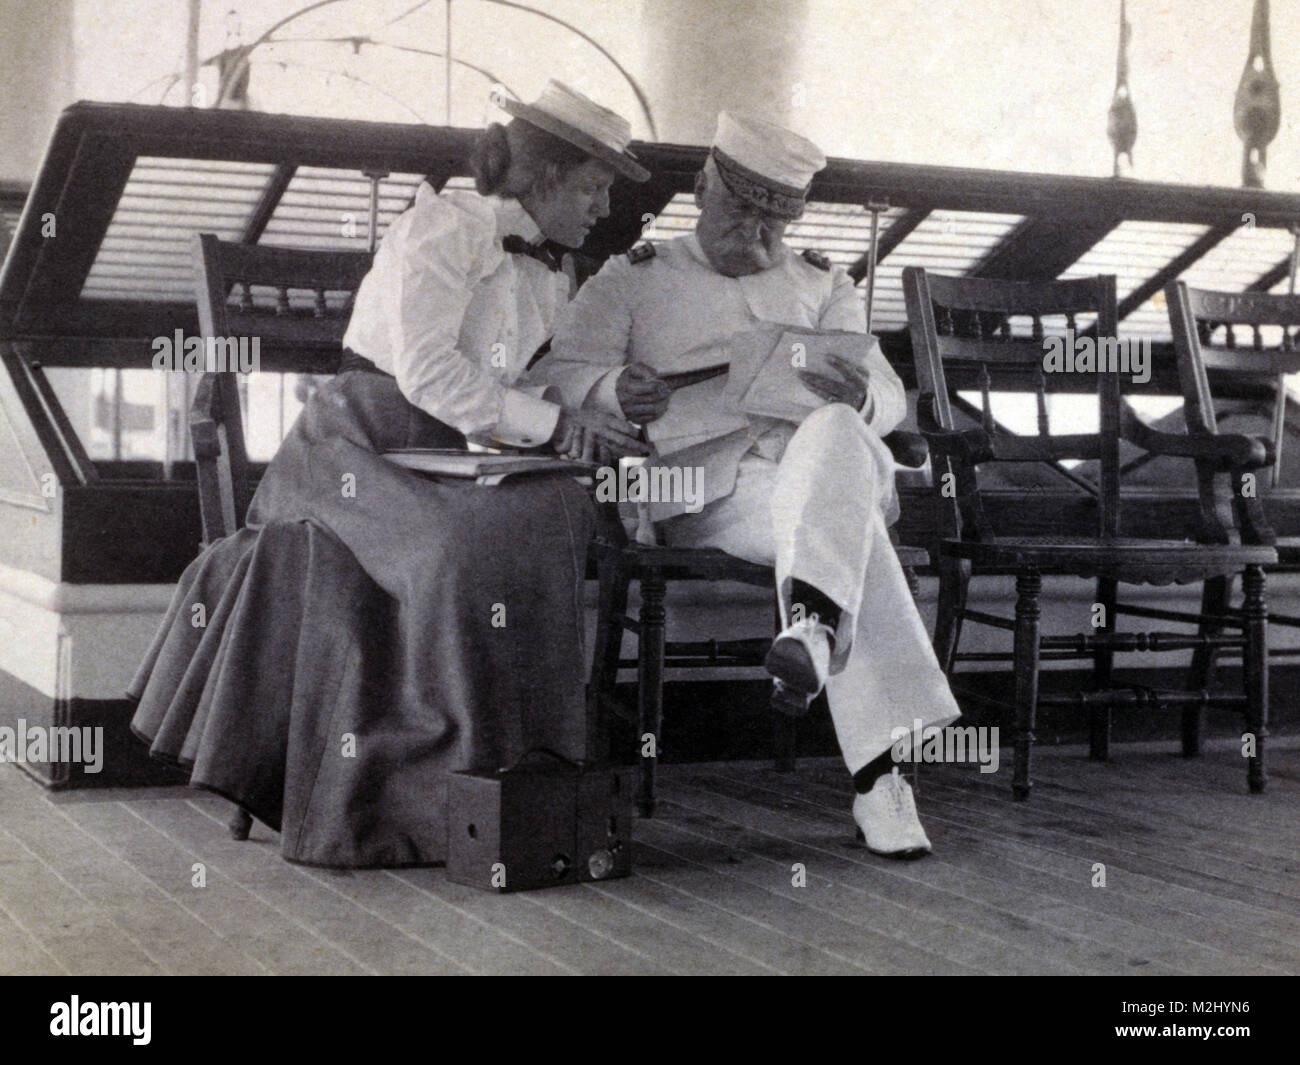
(527, 419)
(603, 394)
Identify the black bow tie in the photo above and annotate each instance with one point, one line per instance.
(516, 245)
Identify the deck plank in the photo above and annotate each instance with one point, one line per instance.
(79, 934)
(184, 944)
(1164, 782)
(365, 936)
(1108, 947)
(767, 893)
(781, 951)
(21, 954)
(1131, 817)
(743, 870)
(852, 868)
(1252, 886)
(669, 947)
(961, 807)
(1012, 926)
(279, 940)
(1174, 933)
(913, 912)
(571, 945)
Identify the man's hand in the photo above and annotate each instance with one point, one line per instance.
(595, 435)
(642, 394)
(852, 390)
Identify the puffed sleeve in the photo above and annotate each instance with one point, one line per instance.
(440, 256)
(591, 342)
(886, 403)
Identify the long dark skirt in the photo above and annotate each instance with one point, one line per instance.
(371, 631)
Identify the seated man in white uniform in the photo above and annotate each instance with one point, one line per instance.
(813, 499)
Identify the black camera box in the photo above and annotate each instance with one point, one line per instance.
(539, 825)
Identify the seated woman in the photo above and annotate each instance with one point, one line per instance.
(371, 629)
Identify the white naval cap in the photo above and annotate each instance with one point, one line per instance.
(766, 164)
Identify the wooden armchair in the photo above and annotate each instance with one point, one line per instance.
(1214, 356)
(307, 337)
(620, 562)
(984, 335)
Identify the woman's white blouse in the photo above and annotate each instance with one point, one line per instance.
(455, 319)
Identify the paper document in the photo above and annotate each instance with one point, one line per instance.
(777, 391)
(762, 382)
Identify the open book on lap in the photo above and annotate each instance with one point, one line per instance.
(483, 467)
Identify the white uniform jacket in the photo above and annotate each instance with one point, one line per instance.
(654, 310)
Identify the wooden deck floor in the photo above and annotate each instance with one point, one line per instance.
(1200, 878)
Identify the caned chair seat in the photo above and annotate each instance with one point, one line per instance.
(687, 563)
(709, 563)
(1129, 561)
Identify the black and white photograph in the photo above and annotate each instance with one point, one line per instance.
(651, 488)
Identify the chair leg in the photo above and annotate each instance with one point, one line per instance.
(650, 684)
(1028, 587)
(241, 824)
(913, 581)
(953, 580)
(784, 727)
(1102, 663)
(612, 606)
(1215, 596)
(1255, 672)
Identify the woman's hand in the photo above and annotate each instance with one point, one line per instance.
(595, 435)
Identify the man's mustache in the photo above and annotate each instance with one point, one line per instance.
(745, 235)
(742, 241)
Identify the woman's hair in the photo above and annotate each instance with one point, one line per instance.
(512, 160)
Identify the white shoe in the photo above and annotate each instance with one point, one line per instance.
(887, 821)
(799, 660)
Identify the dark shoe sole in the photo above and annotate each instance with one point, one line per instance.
(789, 662)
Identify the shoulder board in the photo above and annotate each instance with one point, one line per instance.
(642, 253)
(817, 259)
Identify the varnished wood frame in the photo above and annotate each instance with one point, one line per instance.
(216, 423)
(964, 536)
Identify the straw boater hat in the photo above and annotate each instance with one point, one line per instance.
(765, 164)
(582, 122)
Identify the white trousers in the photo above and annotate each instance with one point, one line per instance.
(820, 516)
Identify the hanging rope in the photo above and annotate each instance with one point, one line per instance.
(1121, 120)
